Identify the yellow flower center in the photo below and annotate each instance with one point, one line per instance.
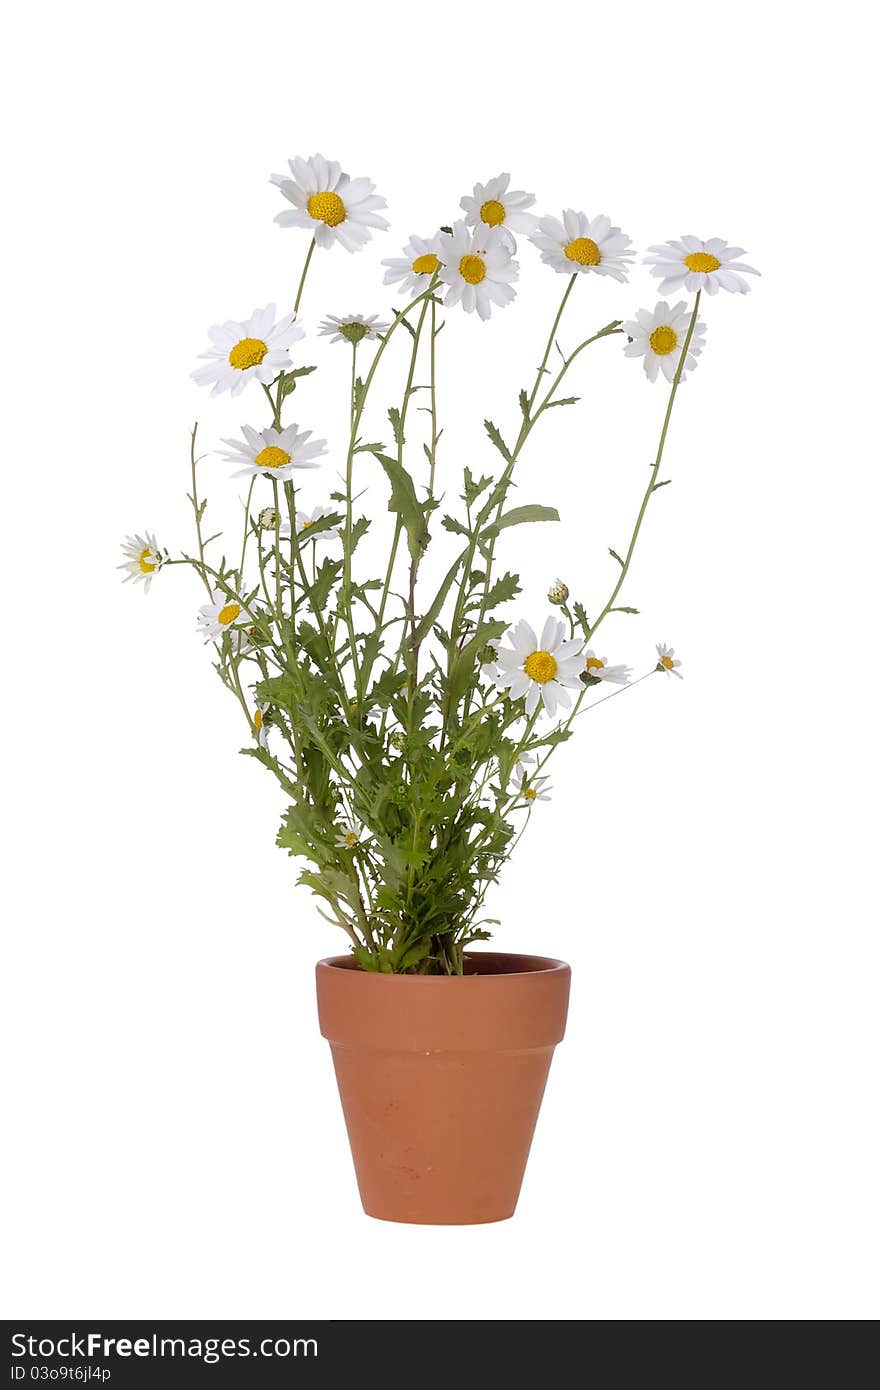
(271, 457)
(228, 614)
(248, 353)
(258, 719)
(351, 838)
(540, 667)
(327, 207)
(426, 265)
(306, 524)
(663, 340)
(492, 213)
(145, 562)
(594, 664)
(583, 251)
(530, 793)
(702, 261)
(667, 663)
(472, 269)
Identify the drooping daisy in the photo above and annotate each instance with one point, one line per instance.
(667, 661)
(413, 272)
(538, 790)
(349, 834)
(477, 267)
(659, 338)
(493, 204)
(142, 559)
(597, 668)
(333, 206)
(691, 264)
(253, 350)
(540, 670)
(578, 244)
(274, 453)
(222, 614)
(352, 328)
(521, 764)
(260, 727)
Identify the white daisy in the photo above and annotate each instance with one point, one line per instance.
(349, 834)
(521, 764)
(222, 614)
(253, 350)
(260, 726)
(691, 264)
(274, 453)
(659, 338)
(597, 668)
(352, 328)
(306, 520)
(667, 661)
(142, 559)
(538, 790)
(477, 267)
(413, 272)
(331, 205)
(578, 244)
(494, 205)
(540, 670)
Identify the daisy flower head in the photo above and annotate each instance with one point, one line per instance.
(349, 834)
(274, 453)
(255, 350)
(691, 264)
(477, 267)
(493, 204)
(667, 661)
(658, 337)
(352, 328)
(538, 790)
(222, 614)
(333, 206)
(542, 671)
(306, 520)
(142, 559)
(596, 668)
(414, 270)
(579, 244)
(520, 770)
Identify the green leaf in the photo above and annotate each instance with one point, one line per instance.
(474, 486)
(623, 610)
(517, 515)
(358, 531)
(407, 505)
(288, 379)
(665, 483)
(325, 523)
(450, 523)
(397, 427)
(524, 404)
(503, 590)
(326, 577)
(614, 555)
(580, 614)
(492, 431)
(564, 400)
(423, 627)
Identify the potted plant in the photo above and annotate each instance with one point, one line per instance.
(410, 725)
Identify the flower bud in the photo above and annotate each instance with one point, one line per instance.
(268, 519)
(488, 654)
(398, 740)
(558, 592)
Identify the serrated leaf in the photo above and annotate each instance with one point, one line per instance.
(623, 610)
(564, 400)
(492, 431)
(450, 524)
(394, 417)
(665, 483)
(524, 404)
(503, 590)
(288, 379)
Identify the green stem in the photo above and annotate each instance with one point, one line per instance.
(302, 278)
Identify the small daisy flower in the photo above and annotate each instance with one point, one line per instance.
(413, 272)
(659, 338)
(477, 267)
(260, 726)
(255, 350)
(597, 668)
(691, 264)
(222, 614)
(274, 453)
(520, 770)
(493, 204)
(142, 559)
(667, 661)
(353, 328)
(306, 520)
(540, 671)
(539, 790)
(578, 244)
(349, 834)
(334, 207)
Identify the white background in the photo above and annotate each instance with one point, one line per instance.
(708, 1145)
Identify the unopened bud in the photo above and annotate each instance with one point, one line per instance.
(558, 592)
(268, 519)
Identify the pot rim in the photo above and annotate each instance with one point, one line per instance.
(537, 965)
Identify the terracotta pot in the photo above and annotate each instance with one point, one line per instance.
(441, 1080)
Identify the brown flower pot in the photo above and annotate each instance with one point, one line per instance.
(441, 1080)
